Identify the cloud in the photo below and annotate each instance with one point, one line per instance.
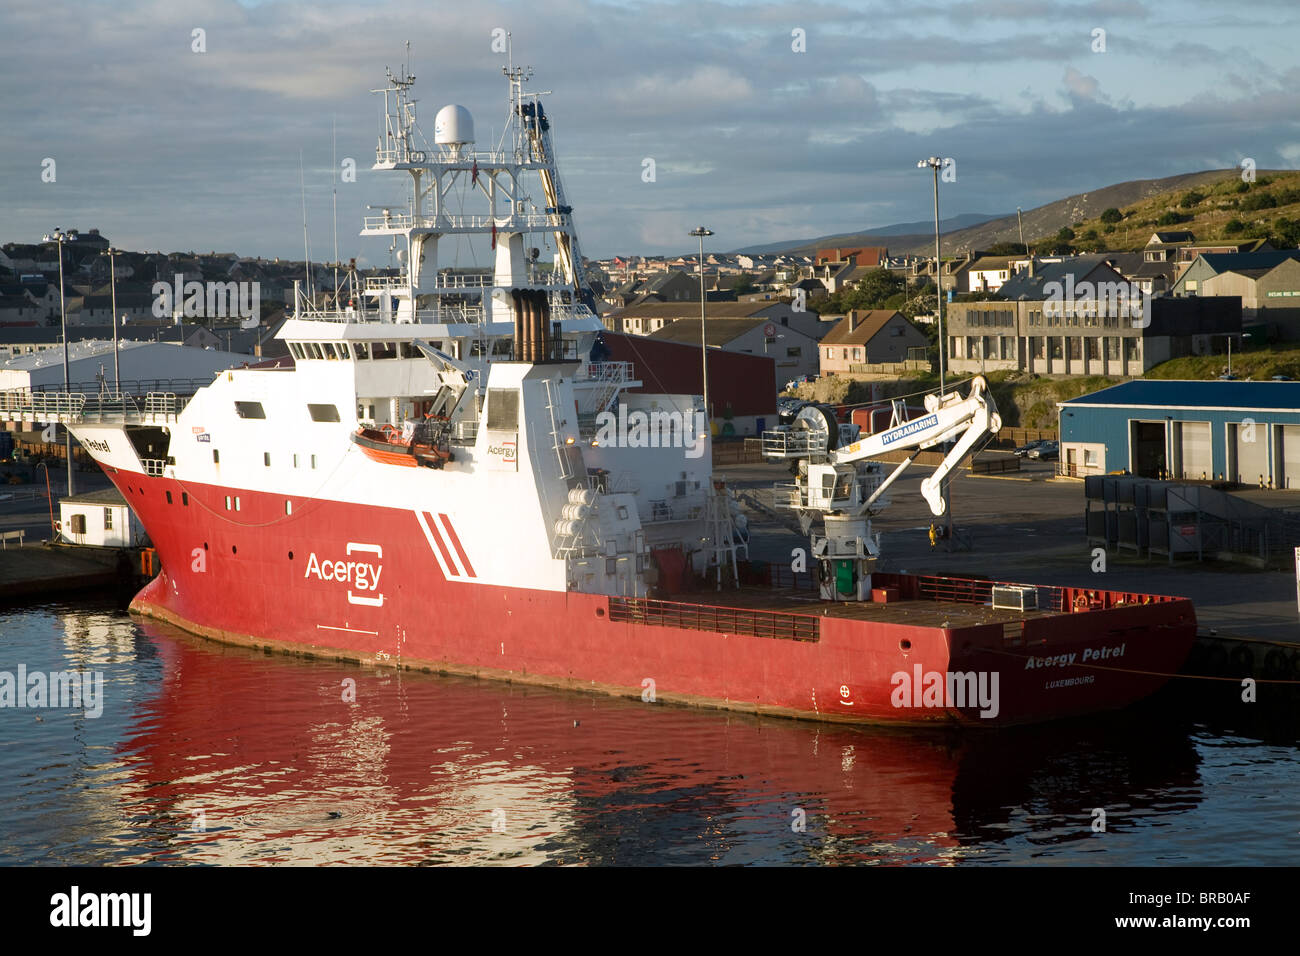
(162, 147)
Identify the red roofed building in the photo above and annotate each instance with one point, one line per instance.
(870, 256)
(742, 388)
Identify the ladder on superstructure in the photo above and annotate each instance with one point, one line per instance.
(561, 449)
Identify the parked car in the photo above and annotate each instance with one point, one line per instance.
(1047, 451)
(1027, 447)
(1283, 378)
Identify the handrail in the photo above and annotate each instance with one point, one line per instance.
(778, 625)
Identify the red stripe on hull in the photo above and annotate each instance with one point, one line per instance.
(455, 543)
(257, 587)
(441, 545)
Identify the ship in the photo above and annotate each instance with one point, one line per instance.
(431, 484)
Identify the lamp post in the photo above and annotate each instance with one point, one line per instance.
(112, 272)
(935, 164)
(61, 237)
(701, 232)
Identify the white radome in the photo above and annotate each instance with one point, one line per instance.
(453, 126)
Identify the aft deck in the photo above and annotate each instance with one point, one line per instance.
(796, 612)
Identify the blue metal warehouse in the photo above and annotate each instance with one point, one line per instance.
(1247, 432)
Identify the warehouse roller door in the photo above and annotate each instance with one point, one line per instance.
(1192, 455)
(1249, 446)
(1288, 456)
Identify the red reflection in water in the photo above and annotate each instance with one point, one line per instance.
(246, 758)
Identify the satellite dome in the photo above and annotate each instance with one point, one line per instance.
(453, 126)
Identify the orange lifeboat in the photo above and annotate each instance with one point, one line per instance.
(388, 446)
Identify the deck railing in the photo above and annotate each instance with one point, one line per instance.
(1050, 597)
(705, 617)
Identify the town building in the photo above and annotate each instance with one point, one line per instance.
(1248, 432)
(1268, 284)
(794, 351)
(742, 388)
(99, 519)
(1068, 318)
(870, 337)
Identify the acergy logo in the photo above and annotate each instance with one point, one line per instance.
(361, 575)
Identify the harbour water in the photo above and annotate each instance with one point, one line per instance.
(206, 754)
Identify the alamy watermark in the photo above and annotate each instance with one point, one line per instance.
(58, 689)
(1110, 299)
(952, 689)
(653, 429)
(212, 300)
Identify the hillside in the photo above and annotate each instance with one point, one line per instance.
(1045, 221)
(907, 233)
(1222, 199)
(1218, 207)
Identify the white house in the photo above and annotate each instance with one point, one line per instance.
(101, 519)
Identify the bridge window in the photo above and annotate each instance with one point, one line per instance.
(362, 349)
(330, 353)
(383, 350)
(250, 410)
(323, 413)
(409, 350)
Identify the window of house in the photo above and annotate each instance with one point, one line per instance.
(1090, 458)
(108, 519)
(793, 352)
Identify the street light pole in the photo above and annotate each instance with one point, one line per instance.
(112, 272)
(935, 164)
(60, 237)
(701, 232)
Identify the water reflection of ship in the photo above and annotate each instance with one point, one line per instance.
(420, 768)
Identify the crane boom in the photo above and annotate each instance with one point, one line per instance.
(973, 417)
(842, 486)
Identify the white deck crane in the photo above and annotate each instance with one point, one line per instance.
(840, 485)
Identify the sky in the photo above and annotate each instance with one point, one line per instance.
(764, 121)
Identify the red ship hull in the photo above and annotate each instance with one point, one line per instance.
(252, 583)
